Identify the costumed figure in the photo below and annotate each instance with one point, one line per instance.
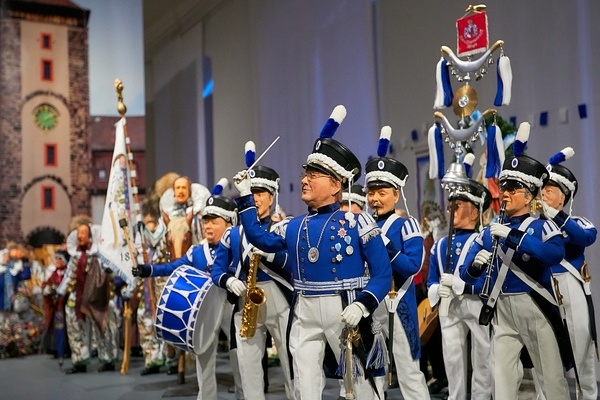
(89, 292)
(468, 203)
(181, 210)
(219, 214)
(385, 179)
(516, 255)
(26, 325)
(572, 273)
(328, 250)
(13, 272)
(149, 289)
(54, 308)
(260, 285)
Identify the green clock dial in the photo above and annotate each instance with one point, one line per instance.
(45, 117)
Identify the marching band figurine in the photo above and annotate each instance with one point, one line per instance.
(468, 204)
(572, 272)
(520, 302)
(327, 251)
(264, 294)
(218, 215)
(385, 180)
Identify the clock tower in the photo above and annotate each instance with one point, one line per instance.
(45, 152)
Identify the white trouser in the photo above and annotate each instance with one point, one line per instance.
(410, 378)
(578, 323)
(206, 362)
(317, 321)
(272, 316)
(463, 316)
(233, 357)
(519, 322)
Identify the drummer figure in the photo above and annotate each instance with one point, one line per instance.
(219, 214)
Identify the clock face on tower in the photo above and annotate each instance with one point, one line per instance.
(45, 117)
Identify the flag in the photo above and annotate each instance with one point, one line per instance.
(113, 248)
(472, 34)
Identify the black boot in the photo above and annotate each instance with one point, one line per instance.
(106, 367)
(76, 369)
(180, 378)
(172, 370)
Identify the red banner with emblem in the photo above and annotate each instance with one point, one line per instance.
(472, 34)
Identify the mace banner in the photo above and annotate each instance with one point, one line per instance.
(472, 34)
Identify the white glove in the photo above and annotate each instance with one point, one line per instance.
(444, 291)
(235, 286)
(497, 229)
(481, 258)
(267, 256)
(447, 280)
(549, 212)
(352, 314)
(47, 291)
(241, 180)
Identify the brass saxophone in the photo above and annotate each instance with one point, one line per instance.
(255, 297)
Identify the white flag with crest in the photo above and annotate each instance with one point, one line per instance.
(113, 249)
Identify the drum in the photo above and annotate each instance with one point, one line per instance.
(189, 310)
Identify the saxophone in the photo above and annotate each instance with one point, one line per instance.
(255, 297)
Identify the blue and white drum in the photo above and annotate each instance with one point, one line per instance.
(189, 310)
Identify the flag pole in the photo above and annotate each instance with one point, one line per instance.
(127, 308)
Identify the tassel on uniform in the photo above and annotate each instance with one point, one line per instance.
(443, 93)
(378, 355)
(504, 85)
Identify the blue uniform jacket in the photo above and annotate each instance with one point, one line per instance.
(9, 283)
(405, 251)
(196, 256)
(438, 252)
(342, 251)
(536, 250)
(233, 247)
(579, 233)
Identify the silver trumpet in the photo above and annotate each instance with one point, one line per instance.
(485, 290)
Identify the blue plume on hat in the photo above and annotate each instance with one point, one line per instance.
(250, 153)
(218, 189)
(521, 139)
(384, 141)
(561, 156)
(468, 163)
(335, 119)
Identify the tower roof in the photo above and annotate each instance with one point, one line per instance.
(63, 12)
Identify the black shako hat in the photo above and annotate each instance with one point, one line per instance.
(356, 195)
(561, 176)
(385, 171)
(261, 177)
(265, 178)
(472, 190)
(220, 206)
(521, 168)
(332, 157)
